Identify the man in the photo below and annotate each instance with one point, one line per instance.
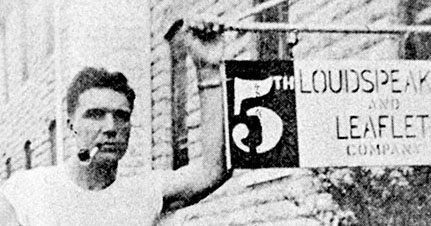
(86, 190)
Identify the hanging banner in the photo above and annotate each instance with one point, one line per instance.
(262, 114)
(329, 113)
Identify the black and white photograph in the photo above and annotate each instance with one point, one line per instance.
(215, 112)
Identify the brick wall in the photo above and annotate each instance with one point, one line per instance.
(29, 70)
(163, 14)
(85, 36)
(266, 196)
(342, 46)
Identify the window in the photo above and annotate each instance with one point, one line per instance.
(179, 111)
(8, 167)
(28, 151)
(273, 45)
(52, 134)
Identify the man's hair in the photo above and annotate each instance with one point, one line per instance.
(91, 77)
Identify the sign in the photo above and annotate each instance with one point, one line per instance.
(329, 113)
(262, 114)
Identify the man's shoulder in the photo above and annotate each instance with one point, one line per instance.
(35, 174)
(144, 176)
(153, 178)
(38, 171)
(24, 187)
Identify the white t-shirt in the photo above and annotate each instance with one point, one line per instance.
(47, 197)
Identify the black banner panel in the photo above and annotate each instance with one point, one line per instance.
(262, 114)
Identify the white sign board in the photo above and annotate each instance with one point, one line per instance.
(354, 113)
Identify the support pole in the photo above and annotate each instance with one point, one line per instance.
(339, 28)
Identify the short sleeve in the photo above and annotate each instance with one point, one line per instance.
(14, 190)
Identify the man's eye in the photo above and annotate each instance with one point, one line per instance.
(95, 114)
(123, 116)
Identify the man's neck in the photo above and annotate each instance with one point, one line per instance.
(97, 175)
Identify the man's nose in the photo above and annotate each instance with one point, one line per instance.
(109, 127)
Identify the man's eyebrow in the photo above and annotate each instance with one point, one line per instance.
(107, 110)
(92, 111)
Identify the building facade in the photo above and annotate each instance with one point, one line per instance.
(44, 43)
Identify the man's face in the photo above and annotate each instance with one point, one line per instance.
(102, 118)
